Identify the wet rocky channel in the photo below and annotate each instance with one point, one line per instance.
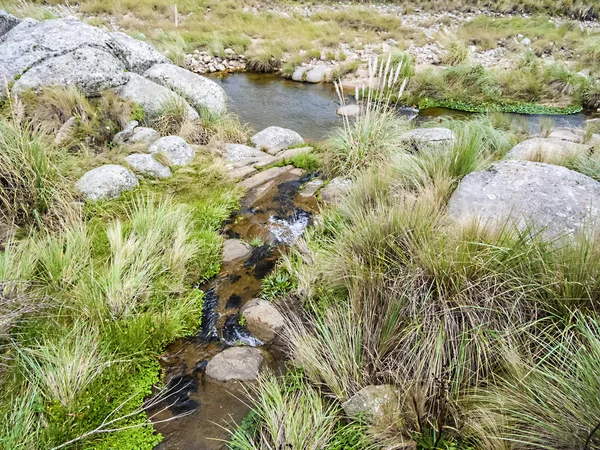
(274, 215)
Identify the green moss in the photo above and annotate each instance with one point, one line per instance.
(520, 108)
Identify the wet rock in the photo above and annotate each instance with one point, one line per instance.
(311, 188)
(138, 56)
(145, 164)
(336, 190)
(235, 363)
(143, 136)
(316, 75)
(199, 91)
(263, 320)
(178, 152)
(299, 74)
(263, 177)
(293, 152)
(90, 70)
(235, 250)
(7, 22)
(547, 150)
(126, 134)
(425, 136)
(275, 139)
(152, 97)
(553, 199)
(105, 182)
(348, 111)
(371, 401)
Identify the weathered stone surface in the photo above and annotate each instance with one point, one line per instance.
(126, 134)
(298, 74)
(7, 22)
(241, 155)
(89, 69)
(316, 75)
(199, 91)
(293, 152)
(241, 172)
(426, 136)
(348, 111)
(311, 187)
(371, 401)
(547, 150)
(138, 56)
(152, 97)
(551, 198)
(336, 190)
(143, 136)
(263, 320)
(275, 139)
(175, 149)
(234, 250)
(145, 164)
(105, 182)
(23, 25)
(568, 134)
(235, 363)
(262, 177)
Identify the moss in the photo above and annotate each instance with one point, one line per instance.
(520, 108)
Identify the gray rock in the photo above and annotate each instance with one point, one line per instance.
(89, 69)
(553, 199)
(241, 172)
(372, 401)
(152, 97)
(235, 364)
(145, 164)
(264, 177)
(175, 149)
(292, 153)
(424, 136)
(568, 134)
(199, 91)
(336, 190)
(239, 155)
(263, 320)
(105, 182)
(526, 42)
(138, 56)
(348, 111)
(316, 75)
(234, 250)
(7, 22)
(298, 74)
(23, 25)
(126, 134)
(553, 151)
(311, 188)
(275, 139)
(143, 136)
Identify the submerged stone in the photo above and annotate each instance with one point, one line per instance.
(235, 364)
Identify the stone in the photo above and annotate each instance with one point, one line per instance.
(235, 364)
(241, 155)
(372, 401)
(234, 250)
(199, 91)
(175, 149)
(23, 25)
(293, 152)
(275, 139)
(138, 56)
(126, 134)
(336, 190)
(311, 188)
(264, 176)
(90, 70)
(425, 136)
(553, 151)
(316, 74)
(550, 198)
(298, 74)
(7, 22)
(241, 172)
(229, 52)
(106, 182)
(568, 134)
(262, 319)
(143, 136)
(348, 111)
(152, 97)
(145, 164)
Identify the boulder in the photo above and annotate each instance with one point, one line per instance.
(234, 250)
(547, 150)
(175, 149)
(553, 199)
(145, 164)
(138, 56)
(348, 111)
(336, 190)
(7, 22)
(425, 136)
(235, 364)
(275, 139)
(143, 136)
(199, 91)
(298, 74)
(23, 25)
(316, 74)
(126, 134)
(241, 155)
(372, 401)
(89, 69)
(152, 97)
(263, 320)
(293, 152)
(106, 182)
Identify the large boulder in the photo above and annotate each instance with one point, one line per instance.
(547, 150)
(235, 364)
(138, 56)
(262, 319)
(553, 199)
(7, 22)
(372, 401)
(177, 151)
(106, 182)
(89, 69)
(145, 164)
(199, 91)
(275, 139)
(152, 97)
